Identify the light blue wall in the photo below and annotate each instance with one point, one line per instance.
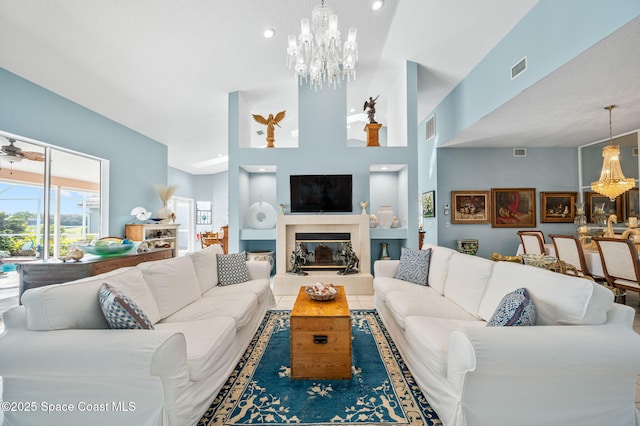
(323, 149)
(428, 180)
(552, 169)
(137, 162)
(552, 34)
(185, 182)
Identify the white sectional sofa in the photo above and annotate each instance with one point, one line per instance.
(577, 366)
(59, 355)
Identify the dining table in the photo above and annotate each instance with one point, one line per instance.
(591, 256)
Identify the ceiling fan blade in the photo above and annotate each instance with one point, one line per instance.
(32, 155)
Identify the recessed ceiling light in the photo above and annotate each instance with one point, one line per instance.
(269, 33)
(384, 168)
(377, 4)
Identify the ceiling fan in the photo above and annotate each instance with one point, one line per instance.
(14, 154)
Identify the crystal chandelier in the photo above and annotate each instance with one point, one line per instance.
(317, 54)
(612, 181)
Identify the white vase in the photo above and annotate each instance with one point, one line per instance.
(164, 213)
(385, 216)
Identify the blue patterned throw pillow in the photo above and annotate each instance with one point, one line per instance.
(516, 308)
(232, 268)
(120, 311)
(414, 266)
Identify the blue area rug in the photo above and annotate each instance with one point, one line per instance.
(381, 391)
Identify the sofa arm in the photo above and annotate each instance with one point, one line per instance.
(385, 268)
(259, 269)
(92, 353)
(544, 350)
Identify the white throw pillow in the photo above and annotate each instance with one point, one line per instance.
(206, 265)
(173, 282)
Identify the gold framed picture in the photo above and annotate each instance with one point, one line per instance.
(470, 207)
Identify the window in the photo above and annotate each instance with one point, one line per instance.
(60, 204)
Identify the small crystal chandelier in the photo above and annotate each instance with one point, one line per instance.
(612, 181)
(317, 55)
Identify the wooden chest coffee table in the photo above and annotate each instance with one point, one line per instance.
(321, 338)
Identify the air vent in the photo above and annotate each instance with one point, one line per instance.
(519, 152)
(431, 127)
(635, 152)
(519, 68)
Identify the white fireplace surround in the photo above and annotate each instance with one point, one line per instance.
(356, 224)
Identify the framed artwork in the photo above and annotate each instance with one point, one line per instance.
(600, 205)
(470, 207)
(631, 201)
(513, 207)
(558, 207)
(429, 204)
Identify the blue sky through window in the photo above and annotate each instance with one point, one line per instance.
(17, 197)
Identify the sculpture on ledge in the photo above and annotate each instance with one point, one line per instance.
(371, 104)
(350, 259)
(270, 122)
(299, 258)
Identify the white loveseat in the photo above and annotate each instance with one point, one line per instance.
(58, 353)
(577, 366)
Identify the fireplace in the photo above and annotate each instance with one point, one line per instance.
(322, 250)
(326, 232)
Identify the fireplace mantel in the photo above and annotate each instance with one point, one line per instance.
(355, 224)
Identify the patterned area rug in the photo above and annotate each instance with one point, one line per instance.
(260, 391)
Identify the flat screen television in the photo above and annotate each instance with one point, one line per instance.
(321, 193)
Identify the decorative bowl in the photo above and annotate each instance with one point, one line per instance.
(320, 297)
(108, 250)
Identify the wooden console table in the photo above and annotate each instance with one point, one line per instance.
(42, 273)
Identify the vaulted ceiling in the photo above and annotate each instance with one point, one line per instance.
(165, 67)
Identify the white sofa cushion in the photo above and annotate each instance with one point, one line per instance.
(174, 283)
(384, 285)
(429, 337)
(467, 279)
(438, 266)
(239, 307)
(206, 265)
(559, 299)
(75, 304)
(207, 344)
(423, 301)
(260, 287)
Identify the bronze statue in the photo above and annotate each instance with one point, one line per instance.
(299, 258)
(350, 259)
(371, 104)
(270, 123)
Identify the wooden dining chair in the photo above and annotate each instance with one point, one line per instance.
(209, 238)
(569, 250)
(532, 242)
(620, 263)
